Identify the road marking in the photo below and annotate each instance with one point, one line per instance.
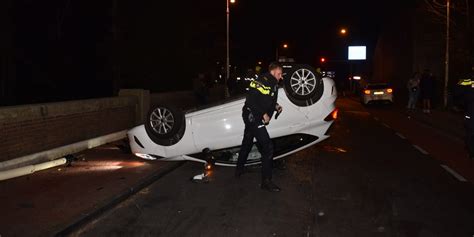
(421, 150)
(400, 135)
(376, 119)
(454, 173)
(386, 125)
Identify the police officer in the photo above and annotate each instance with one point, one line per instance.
(465, 91)
(259, 106)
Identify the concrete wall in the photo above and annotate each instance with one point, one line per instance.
(29, 129)
(143, 102)
(33, 128)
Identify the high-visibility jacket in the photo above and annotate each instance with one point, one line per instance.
(262, 95)
(465, 91)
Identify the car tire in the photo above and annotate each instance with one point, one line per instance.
(303, 85)
(165, 125)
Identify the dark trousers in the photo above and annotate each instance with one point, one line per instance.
(469, 124)
(254, 129)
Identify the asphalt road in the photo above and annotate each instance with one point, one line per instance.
(364, 181)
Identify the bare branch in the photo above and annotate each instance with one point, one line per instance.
(438, 9)
(438, 4)
(433, 9)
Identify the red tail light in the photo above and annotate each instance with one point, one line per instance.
(332, 116)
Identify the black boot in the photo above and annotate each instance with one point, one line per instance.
(268, 185)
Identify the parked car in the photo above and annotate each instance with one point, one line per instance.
(376, 92)
(308, 112)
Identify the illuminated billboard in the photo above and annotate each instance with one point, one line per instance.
(357, 53)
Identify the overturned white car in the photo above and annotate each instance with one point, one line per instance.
(308, 112)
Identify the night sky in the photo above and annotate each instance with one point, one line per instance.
(310, 27)
(80, 49)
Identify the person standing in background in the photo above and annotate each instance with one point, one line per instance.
(413, 86)
(201, 92)
(465, 91)
(427, 90)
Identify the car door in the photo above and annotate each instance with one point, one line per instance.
(219, 126)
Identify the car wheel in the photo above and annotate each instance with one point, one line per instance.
(303, 85)
(165, 125)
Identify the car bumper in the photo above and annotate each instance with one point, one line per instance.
(373, 98)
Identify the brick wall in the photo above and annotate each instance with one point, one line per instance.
(33, 128)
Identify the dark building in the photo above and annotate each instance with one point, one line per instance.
(7, 66)
(414, 38)
(67, 50)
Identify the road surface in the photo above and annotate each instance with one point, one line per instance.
(366, 180)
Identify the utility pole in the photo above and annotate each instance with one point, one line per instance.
(446, 62)
(227, 64)
(469, 33)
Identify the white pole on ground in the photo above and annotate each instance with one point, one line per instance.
(30, 169)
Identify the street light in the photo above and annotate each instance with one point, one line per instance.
(227, 75)
(343, 31)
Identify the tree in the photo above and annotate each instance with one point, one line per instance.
(455, 14)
